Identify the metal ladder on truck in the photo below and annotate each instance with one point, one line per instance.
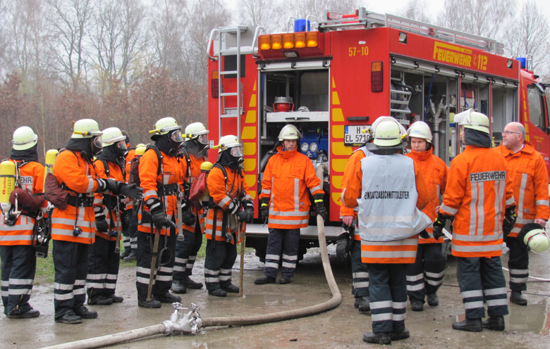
(368, 20)
(223, 48)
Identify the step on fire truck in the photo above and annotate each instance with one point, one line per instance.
(333, 78)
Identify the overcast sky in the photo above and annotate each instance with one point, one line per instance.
(435, 6)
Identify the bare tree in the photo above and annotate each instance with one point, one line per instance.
(478, 17)
(318, 8)
(71, 24)
(265, 13)
(416, 10)
(529, 35)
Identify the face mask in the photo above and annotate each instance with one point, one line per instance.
(97, 146)
(121, 148)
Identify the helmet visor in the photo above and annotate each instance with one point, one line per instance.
(236, 151)
(175, 136)
(97, 142)
(203, 139)
(121, 145)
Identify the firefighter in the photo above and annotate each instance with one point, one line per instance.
(395, 190)
(425, 276)
(126, 242)
(194, 151)
(161, 175)
(130, 240)
(103, 254)
(285, 200)
(231, 205)
(73, 224)
(478, 192)
(16, 231)
(530, 186)
(360, 272)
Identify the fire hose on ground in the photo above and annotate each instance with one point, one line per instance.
(190, 322)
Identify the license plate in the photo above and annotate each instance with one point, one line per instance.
(355, 135)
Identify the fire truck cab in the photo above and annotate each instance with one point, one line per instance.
(332, 79)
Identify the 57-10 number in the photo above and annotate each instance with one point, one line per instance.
(356, 51)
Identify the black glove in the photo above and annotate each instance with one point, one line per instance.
(424, 234)
(320, 206)
(131, 191)
(264, 208)
(187, 217)
(509, 220)
(101, 223)
(124, 221)
(241, 216)
(158, 216)
(234, 206)
(248, 206)
(344, 243)
(439, 224)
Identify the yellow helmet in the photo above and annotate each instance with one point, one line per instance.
(24, 138)
(473, 120)
(86, 128)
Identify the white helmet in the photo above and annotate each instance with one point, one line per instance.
(289, 132)
(228, 142)
(537, 241)
(473, 120)
(197, 130)
(111, 136)
(24, 138)
(86, 128)
(420, 129)
(166, 125)
(388, 132)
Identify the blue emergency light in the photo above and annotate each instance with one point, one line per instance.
(522, 62)
(300, 25)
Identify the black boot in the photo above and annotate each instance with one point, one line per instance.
(230, 288)
(187, 282)
(362, 303)
(284, 280)
(153, 303)
(417, 305)
(178, 287)
(218, 292)
(264, 280)
(101, 300)
(518, 298)
(395, 336)
(377, 338)
(470, 325)
(125, 253)
(69, 318)
(167, 297)
(116, 299)
(495, 323)
(84, 313)
(131, 257)
(433, 300)
(26, 315)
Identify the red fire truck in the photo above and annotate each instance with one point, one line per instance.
(333, 78)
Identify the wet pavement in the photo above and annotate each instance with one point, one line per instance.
(343, 327)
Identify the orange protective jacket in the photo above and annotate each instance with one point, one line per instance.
(222, 193)
(76, 173)
(479, 188)
(195, 172)
(173, 171)
(31, 177)
(396, 250)
(129, 156)
(530, 184)
(286, 177)
(115, 172)
(434, 171)
(349, 172)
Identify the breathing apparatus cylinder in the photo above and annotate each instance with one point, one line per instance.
(139, 151)
(205, 168)
(51, 155)
(7, 184)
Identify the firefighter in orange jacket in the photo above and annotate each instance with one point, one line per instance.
(284, 198)
(389, 201)
(17, 230)
(230, 206)
(103, 255)
(530, 186)
(73, 225)
(478, 192)
(194, 152)
(360, 272)
(161, 174)
(425, 276)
